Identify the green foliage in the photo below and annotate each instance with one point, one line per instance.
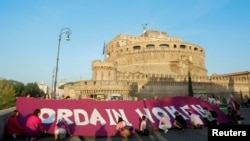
(19, 87)
(190, 87)
(33, 90)
(7, 94)
(9, 90)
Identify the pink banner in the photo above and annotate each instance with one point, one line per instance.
(98, 118)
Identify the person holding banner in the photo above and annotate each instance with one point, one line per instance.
(120, 128)
(34, 126)
(164, 123)
(179, 121)
(13, 127)
(143, 127)
(209, 118)
(61, 129)
(195, 120)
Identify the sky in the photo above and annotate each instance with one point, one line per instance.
(30, 32)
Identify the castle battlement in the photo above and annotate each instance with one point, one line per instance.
(155, 63)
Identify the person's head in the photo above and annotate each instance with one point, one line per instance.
(176, 113)
(160, 114)
(135, 98)
(67, 97)
(143, 117)
(205, 109)
(15, 113)
(47, 96)
(212, 95)
(120, 119)
(37, 112)
(28, 95)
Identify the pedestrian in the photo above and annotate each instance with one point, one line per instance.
(179, 121)
(61, 129)
(34, 127)
(27, 95)
(13, 128)
(234, 110)
(195, 120)
(47, 97)
(164, 123)
(211, 99)
(217, 101)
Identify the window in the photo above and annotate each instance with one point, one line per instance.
(150, 46)
(137, 47)
(164, 46)
(182, 46)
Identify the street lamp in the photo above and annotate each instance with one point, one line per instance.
(68, 32)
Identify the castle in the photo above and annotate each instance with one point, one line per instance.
(156, 64)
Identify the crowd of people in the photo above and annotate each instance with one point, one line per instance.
(33, 128)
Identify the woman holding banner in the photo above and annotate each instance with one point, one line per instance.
(164, 123)
(121, 128)
(34, 126)
(61, 129)
(13, 127)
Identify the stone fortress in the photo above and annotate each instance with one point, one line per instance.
(156, 64)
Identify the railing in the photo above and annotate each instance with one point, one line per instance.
(4, 115)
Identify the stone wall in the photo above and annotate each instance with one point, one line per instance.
(4, 115)
(155, 63)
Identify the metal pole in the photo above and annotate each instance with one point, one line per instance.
(57, 60)
(68, 32)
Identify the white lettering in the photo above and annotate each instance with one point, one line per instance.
(121, 114)
(95, 117)
(65, 113)
(199, 110)
(156, 110)
(49, 113)
(82, 117)
(216, 132)
(147, 114)
(111, 119)
(77, 113)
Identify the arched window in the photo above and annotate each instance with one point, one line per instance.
(182, 46)
(150, 46)
(137, 47)
(164, 46)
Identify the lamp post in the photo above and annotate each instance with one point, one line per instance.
(68, 32)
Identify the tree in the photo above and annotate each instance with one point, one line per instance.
(33, 90)
(10, 89)
(190, 87)
(7, 94)
(19, 87)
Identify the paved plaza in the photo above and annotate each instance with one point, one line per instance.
(172, 135)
